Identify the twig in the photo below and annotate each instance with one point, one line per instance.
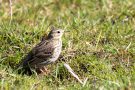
(128, 46)
(10, 4)
(74, 75)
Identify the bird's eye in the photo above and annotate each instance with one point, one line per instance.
(58, 31)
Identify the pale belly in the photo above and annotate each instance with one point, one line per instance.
(56, 54)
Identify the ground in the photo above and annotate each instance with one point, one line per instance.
(99, 46)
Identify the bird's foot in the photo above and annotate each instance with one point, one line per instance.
(44, 71)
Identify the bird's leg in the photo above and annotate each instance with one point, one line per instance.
(45, 71)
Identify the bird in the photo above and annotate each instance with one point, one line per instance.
(46, 52)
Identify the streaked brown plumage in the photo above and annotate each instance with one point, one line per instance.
(44, 53)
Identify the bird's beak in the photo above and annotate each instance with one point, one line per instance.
(66, 31)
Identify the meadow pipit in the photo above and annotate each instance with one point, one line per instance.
(44, 53)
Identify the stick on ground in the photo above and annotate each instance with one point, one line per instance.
(74, 75)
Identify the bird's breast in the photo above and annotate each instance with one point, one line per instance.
(56, 52)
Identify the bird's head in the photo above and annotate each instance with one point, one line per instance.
(55, 33)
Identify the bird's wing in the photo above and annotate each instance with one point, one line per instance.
(40, 53)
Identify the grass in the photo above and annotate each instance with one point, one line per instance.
(100, 44)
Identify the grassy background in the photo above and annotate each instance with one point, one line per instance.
(100, 45)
